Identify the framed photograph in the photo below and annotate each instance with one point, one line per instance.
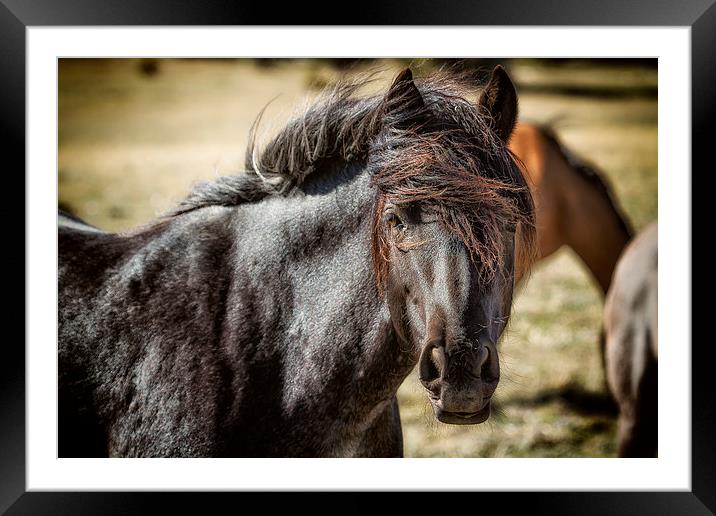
(520, 157)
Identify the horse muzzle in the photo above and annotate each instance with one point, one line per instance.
(460, 387)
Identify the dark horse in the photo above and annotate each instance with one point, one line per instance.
(276, 312)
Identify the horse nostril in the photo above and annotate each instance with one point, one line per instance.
(485, 366)
(432, 363)
(482, 357)
(488, 364)
(437, 356)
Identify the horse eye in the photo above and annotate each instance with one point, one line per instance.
(393, 221)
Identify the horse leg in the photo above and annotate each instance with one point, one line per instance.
(636, 439)
(384, 438)
(609, 397)
(638, 421)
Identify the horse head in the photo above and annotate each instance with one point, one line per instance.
(451, 204)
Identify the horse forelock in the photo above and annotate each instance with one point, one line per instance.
(442, 154)
(477, 192)
(452, 162)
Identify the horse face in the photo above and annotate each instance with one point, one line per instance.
(440, 306)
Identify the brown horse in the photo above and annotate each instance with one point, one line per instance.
(630, 323)
(574, 203)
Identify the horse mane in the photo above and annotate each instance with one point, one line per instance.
(591, 174)
(442, 153)
(338, 125)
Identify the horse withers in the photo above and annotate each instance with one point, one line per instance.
(630, 322)
(276, 312)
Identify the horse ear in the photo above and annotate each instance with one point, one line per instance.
(499, 99)
(404, 104)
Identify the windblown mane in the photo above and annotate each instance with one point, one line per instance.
(442, 153)
(338, 125)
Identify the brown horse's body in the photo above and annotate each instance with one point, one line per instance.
(630, 323)
(573, 203)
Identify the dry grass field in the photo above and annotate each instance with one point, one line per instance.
(135, 135)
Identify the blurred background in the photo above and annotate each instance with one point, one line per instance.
(135, 134)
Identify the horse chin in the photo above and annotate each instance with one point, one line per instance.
(462, 418)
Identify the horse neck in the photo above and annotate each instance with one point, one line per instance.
(593, 226)
(571, 208)
(332, 320)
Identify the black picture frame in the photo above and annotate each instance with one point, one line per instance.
(17, 15)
